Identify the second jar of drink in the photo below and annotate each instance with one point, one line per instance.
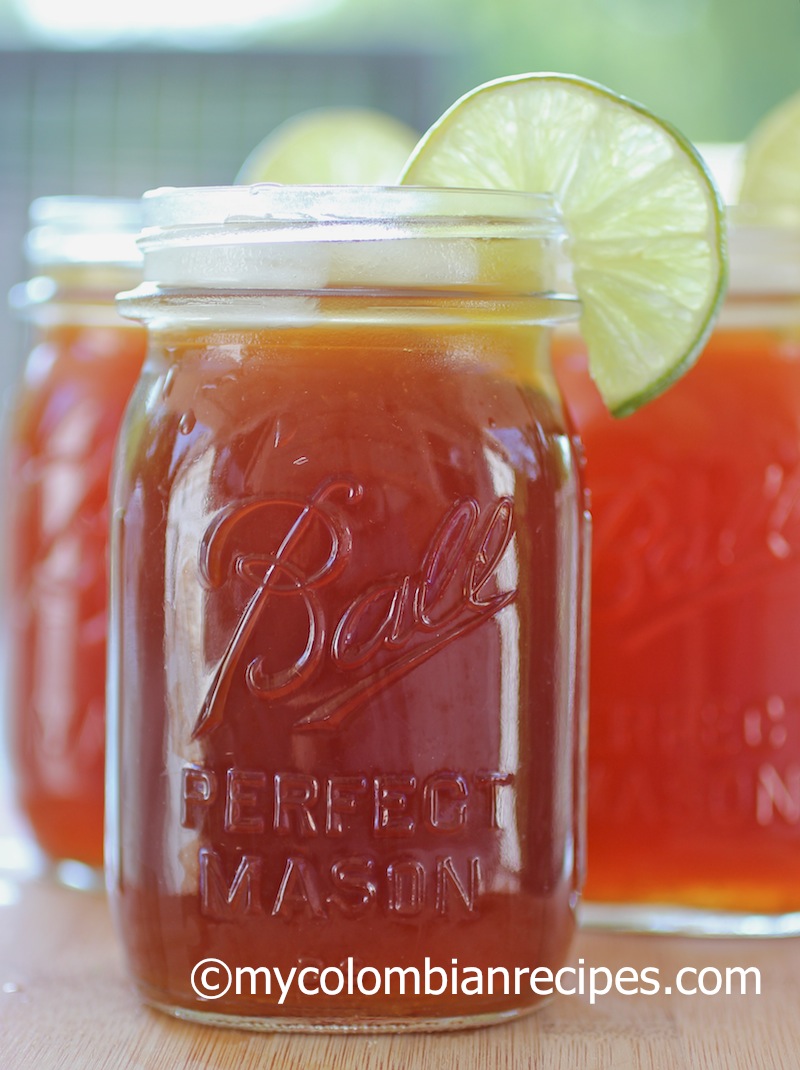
(694, 756)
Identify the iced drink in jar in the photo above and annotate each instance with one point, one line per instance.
(347, 538)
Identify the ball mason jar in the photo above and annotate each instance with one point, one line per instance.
(694, 748)
(62, 424)
(344, 683)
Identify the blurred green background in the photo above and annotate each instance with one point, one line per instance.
(98, 97)
(711, 66)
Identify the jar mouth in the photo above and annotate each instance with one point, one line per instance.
(763, 240)
(764, 251)
(322, 238)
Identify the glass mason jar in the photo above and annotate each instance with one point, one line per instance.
(694, 750)
(344, 668)
(63, 422)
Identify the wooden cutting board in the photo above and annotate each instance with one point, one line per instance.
(65, 1003)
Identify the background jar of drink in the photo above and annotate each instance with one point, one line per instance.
(62, 426)
(694, 752)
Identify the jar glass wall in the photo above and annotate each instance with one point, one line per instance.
(345, 728)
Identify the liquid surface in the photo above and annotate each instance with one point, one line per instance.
(694, 743)
(347, 565)
(62, 434)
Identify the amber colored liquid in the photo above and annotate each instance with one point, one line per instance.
(694, 739)
(63, 427)
(346, 572)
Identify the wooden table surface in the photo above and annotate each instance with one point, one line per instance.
(65, 1004)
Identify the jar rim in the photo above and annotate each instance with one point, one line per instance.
(77, 229)
(763, 252)
(262, 204)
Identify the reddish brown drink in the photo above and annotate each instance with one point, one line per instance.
(347, 567)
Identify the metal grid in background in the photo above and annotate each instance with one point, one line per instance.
(118, 123)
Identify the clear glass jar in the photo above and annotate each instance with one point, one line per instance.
(346, 586)
(694, 749)
(63, 422)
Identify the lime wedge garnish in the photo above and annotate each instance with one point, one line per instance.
(644, 218)
(771, 176)
(332, 146)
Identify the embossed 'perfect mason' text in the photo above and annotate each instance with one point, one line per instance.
(369, 823)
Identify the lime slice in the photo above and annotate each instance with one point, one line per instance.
(644, 218)
(772, 159)
(332, 146)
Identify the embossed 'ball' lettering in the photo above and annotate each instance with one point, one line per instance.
(397, 622)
